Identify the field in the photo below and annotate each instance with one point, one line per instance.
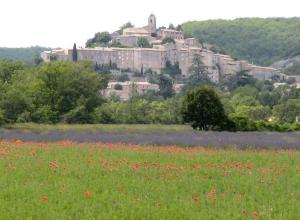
(179, 135)
(67, 180)
(96, 127)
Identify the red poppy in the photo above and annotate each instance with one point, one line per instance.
(256, 213)
(45, 198)
(87, 194)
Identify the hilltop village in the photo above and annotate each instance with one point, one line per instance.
(179, 50)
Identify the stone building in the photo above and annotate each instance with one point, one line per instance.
(127, 89)
(130, 36)
(183, 51)
(176, 35)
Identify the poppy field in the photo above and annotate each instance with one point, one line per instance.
(68, 180)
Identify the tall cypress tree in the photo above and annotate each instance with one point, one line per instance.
(74, 53)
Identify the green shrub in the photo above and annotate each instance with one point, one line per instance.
(77, 115)
(24, 117)
(287, 112)
(104, 114)
(274, 126)
(123, 77)
(118, 87)
(2, 119)
(243, 123)
(44, 114)
(295, 126)
(165, 112)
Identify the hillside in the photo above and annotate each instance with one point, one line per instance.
(262, 41)
(22, 54)
(289, 66)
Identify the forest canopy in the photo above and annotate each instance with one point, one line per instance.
(258, 40)
(22, 54)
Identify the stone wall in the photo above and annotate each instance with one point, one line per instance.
(136, 59)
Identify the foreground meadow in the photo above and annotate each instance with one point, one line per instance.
(66, 180)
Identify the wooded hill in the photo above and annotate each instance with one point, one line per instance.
(258, 40)
(22, 54)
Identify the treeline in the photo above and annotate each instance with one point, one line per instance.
(49, 93)
(250, 105)
(262, 107)
(262, 41)
(28, 54)
(70, 92)
(140, 111)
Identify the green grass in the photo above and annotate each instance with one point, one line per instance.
(50, 181)
(96, 127)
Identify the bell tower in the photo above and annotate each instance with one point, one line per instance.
(152, 24)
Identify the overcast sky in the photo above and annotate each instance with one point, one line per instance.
(60, 23)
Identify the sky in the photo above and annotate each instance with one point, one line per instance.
(60, 23)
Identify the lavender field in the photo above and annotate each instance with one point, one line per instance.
(162, 137)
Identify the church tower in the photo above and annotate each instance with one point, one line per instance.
(152, 24)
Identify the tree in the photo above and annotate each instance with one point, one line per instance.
(165, 86)
(254, 113)
(123, 77)
(74, 53)
(239, 79)
(269, 98)
(198, 66)
(64, 86)
(242, 123)
(142, 70)
(171, 70)
(100, 39)
(17, 101)
(143, 42)
(168, 40)
(2, 118)
(203, 109)
(179, 28)
(238, 99)
(260, 112)
(77, 115)
(8, 68)
(215, 48)
(118, 87)
(37, 60)
(198, 74)
(288, 111)
(140, 110)
(14, 104)
(124, 26)
(165, 112)
(246, 91)
(90, 43)
(53, 58)
(171, 26)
